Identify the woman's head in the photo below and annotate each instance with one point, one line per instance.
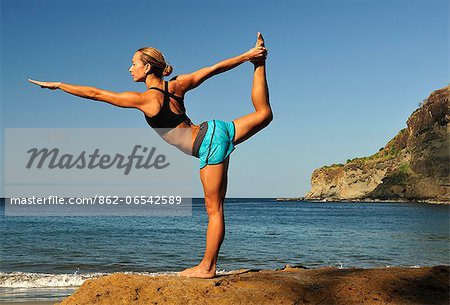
(149, 61)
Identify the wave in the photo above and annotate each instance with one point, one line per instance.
(48, 280)
(51, 280)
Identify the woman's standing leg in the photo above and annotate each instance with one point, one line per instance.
(214, 177)
(250, 124)
(214, 180)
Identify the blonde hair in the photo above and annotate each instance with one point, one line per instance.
(156, 59)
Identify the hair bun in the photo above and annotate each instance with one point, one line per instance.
(167, 70)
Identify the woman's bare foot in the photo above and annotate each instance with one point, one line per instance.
(259, 43)
(199, 271)
(259, 40)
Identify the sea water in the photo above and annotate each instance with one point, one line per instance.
(47, 258)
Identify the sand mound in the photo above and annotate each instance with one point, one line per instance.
(428, 285)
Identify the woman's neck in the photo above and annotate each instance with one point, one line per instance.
(153, 81)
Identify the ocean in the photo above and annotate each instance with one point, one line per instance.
(47, 258)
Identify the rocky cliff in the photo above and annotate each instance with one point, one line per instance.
(414, 165)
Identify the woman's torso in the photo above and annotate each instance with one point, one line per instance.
(163, 109)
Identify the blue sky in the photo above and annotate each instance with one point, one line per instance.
(343, 75)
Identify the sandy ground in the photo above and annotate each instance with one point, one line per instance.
(426, 285)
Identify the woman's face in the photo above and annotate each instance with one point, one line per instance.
(138, 69)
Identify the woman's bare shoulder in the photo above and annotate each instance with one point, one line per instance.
(175, 86)
(153, 102)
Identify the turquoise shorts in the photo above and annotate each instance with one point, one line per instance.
(217, 143)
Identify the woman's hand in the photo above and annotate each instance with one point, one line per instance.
(256, 54)
(48, 85)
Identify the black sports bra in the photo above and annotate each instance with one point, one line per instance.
(166, 118)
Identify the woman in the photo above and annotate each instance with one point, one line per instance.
(212, 141)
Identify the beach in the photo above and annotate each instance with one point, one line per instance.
(290, 285)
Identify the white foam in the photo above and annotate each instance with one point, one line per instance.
(41, 280)
(47, 280)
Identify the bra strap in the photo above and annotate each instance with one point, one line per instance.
(166, 92)
(156, 88)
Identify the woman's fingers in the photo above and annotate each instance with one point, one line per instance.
(42, 84)
(262, 51)
(48, 85)
(257, 53)
(33, 81)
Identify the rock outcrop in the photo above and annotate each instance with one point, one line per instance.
(427, 285)
(414, 165)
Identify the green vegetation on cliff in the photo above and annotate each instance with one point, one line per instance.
(390, 151)
(400, 176)
(413, 165)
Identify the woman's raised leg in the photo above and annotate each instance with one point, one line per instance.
(214, 181)
(250, 124)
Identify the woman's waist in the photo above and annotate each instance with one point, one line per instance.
(183, 137)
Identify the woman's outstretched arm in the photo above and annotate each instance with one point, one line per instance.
(123, 99)
(194, 79)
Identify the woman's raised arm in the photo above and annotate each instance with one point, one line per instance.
(194, 79)
(123, 99)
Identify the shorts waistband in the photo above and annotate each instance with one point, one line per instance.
(199, 138)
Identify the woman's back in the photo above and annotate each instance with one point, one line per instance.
(171, 112)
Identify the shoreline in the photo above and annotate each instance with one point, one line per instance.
(365, 200)
(288, 285)
(32, 302)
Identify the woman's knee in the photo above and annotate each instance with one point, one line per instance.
(215, 213)
(266, 116)
(214, 207)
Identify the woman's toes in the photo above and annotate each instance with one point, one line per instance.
(260, 40)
